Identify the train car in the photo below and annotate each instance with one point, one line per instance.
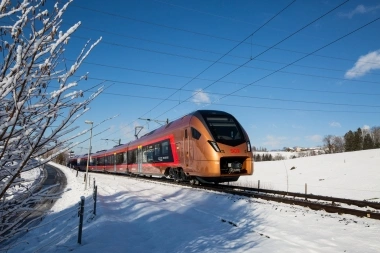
(78, 162)
(205, 146)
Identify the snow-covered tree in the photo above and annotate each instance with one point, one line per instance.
(39, 99)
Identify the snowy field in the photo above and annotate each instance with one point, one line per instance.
(354, 175)
(139, 216)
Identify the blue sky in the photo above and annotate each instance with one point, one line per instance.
(164, 59)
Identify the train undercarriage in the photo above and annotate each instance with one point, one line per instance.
(179, 175)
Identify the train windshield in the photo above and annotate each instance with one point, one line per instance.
(225, 129)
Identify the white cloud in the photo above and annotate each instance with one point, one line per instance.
(200, 97)
(273, 141)
(366, 127)
(335, 124)
(365, 64)
(360, 9)
(314, 138)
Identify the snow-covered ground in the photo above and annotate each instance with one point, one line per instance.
(139, 216)
(32, 178)
(354, 175)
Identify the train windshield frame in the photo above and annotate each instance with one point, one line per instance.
(225, 129)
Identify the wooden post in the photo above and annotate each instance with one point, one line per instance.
(80, 214)
(305, 190)
(258, 185)
(95, 197)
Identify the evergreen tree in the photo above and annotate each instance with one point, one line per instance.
(349, 139)
(368, 142)
(358, 140)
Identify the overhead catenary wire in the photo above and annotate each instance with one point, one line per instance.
(250, 67)
(297, 31)
(240, 96)
(230, 82)
(193, 32)
(279, 42)
(212, 52)
(229, 51)
(240, 42)
(299, 89)
(328, 44)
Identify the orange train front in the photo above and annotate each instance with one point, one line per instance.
(203, 146)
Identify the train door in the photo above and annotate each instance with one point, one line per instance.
(114, 162)
(139, 159)
(179, 148)
(125, 160)
(187, 148)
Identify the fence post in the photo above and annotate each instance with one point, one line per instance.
(95, 197)
(305, 191)
(258, 185)
(80, 214)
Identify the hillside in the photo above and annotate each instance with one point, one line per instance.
(349, 175)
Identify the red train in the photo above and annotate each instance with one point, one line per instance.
(204, 146)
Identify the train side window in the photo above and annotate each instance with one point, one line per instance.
(157, 149)
(185, 133)
(101, 161)
(165, 148)
(195, 133)
(111, 160)
(134, 158)
(119, 158)
(131, 156)
(125, 156)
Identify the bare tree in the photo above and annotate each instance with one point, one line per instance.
(327, 142)
(338, 143)
(375, 132)
(38, 100)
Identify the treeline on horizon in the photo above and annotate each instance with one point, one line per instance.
(361, 139)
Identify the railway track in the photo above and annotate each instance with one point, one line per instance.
(315, 202)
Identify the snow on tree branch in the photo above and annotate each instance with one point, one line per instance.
(38, 100)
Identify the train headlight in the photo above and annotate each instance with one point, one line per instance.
(214, 145)
(248, 146)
